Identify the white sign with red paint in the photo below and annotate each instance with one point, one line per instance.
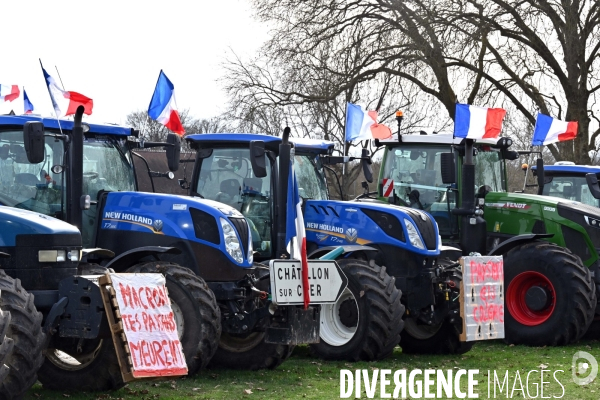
(483, 305)
(388, 187)
(149, 325)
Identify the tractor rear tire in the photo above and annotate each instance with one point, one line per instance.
(565, 292)
(91, 365)
(424, 339)
(249, 352)
(365, 323)
(195, 309)
(25, 333)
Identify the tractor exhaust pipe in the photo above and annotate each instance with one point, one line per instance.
(75, 168)
(285, 156)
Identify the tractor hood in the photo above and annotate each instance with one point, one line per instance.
(574, 225)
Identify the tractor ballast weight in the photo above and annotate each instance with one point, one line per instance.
(372, 235)
(543, 241)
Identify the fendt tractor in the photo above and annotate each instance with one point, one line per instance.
(549, 246)
(392, 255)
(83, 173)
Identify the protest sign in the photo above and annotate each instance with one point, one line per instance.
(482, 298)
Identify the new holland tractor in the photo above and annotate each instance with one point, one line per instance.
(83, 174)
(397, 275)
(549, 245)
(570, 182)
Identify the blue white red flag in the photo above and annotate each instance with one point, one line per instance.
(27, 105)
(362, 125)
(471, 122)
(295, 235)
(9, 92)
(163, 107)
(551, 130)
(66, 102)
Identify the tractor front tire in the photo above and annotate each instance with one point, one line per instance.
(366, 321)
(249, 352)
(195, 308)
(24, 334)
(550, 297)
(438, 339)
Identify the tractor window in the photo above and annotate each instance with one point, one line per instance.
(488, 172)
(30, 186)
(571, 188)
(226, 176)
(311, 182)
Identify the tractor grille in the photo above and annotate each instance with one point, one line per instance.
(426, 227)
(577, 214)
(205, 226)
(387, 222)
(241, 226)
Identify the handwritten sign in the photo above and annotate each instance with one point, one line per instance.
(482, 298)
(149, 325)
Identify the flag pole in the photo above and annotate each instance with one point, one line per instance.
(51, 99)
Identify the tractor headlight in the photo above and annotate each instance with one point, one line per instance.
(232, 244)
(250, 248)
(413, 235)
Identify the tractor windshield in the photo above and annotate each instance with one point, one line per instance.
(311, 181)
(31, 186)
(570, 188)
(489, 173)
(226, 176)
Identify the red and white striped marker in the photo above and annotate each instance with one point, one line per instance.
(388, 186)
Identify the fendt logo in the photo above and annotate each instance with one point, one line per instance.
(351, 235)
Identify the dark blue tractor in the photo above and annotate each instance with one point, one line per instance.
(398, 275)
(571, 182)
(84, 174)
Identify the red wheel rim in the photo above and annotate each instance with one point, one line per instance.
(515, 298)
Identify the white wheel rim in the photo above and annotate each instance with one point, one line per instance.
(179, 320)
(68, 362)
(333, 331)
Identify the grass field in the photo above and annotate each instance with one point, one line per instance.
(306, 377)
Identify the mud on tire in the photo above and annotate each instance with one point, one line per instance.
(200, 314)
(366, 322)
(568, 287)
(24, 333)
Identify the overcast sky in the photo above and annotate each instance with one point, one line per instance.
(112, 51)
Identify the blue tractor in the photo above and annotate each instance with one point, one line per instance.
(398, 276)
(569, 181)
(83, 174)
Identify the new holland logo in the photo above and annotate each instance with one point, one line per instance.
(157, 225)
(351, 235)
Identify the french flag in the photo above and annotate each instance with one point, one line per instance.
(550, 130)
(295, 235)
(9, 92)
(471, 122)
(362, 125)
(66, 102)
(163, 107)
(27, 105)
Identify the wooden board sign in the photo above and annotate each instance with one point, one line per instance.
(144, 323)
(482, 298)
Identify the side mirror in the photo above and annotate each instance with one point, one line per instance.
(540, 175)
(257, 158)
(173, 151)
(592, 181)
(33, 138)
(447, 168)
(367, 165)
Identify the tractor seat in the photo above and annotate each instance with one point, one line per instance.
(229, 192)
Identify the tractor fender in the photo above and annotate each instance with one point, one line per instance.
(130, 257)
(518, 240)
(347, 249)
(97, 252)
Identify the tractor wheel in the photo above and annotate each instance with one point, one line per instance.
(195, 308)
(437, 339)
(550, 297)
(249, 352)
(24, 334)
(365, 323)
(88, 365)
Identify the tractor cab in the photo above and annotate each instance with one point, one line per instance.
(568, 181)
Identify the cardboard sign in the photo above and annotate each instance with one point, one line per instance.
(149, 325)
(482, 298)
(325, 278)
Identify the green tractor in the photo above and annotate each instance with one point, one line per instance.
(550, 246)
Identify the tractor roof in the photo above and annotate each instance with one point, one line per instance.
(441, 138)
(53, 123)
(570, 169)
(304, 145)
